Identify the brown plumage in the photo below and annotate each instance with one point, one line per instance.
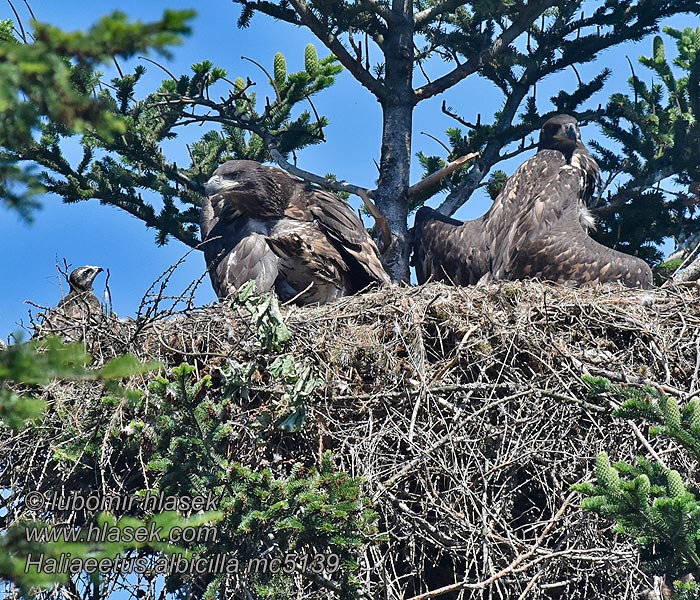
(536, 227)
(78, 311)
(260, 223)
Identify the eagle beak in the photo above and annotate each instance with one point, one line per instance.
(571, 132)
(218, 184)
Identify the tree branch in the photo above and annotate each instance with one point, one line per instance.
(427, 15)
(622, 197)
(513, 567)
(416, 191)
(692, 271)
(379, 10)
(337, 48)
(524, 21)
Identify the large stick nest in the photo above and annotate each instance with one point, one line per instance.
(464, 411)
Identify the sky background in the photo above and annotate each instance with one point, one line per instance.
(88, 233)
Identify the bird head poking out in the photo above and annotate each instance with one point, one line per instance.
(247, 189)
(561, 133)
(81, 279)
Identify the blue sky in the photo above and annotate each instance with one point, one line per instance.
(87, 233)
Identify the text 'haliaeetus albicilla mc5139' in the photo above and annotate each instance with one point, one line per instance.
(260, 223)
(536, 227)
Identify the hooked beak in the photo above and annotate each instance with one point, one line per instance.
(571, 132)
(95, 272)
(218, 184)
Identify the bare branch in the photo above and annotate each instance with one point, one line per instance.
(519, 26)
(438, 140)
(273, 83)
(690, 272)
(157, 64)
(511, 568)
(425, 184)
(426, 16)
(23, 33)
(459, 119)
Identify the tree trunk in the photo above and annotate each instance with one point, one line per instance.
(395, 161)
(394, 169)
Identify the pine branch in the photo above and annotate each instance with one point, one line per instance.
(324, 34)
(525, 19)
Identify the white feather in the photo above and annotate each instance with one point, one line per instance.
(586, 219)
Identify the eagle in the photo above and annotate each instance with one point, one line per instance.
(259, 223)
(537, 226)
(78, 310)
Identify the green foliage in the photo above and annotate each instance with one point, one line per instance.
(269, 513)
(649, 502)
(265, 315)
(657, 128)
(286, 411)
(26, 368)
(313, 515)
(667, 268)
(54, 90)
(496, 182)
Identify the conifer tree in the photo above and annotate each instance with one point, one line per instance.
(657, 128)
(385, 46)
(655, 505)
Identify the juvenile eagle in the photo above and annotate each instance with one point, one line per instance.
(536, 227)
(260, 223)
(78, 310)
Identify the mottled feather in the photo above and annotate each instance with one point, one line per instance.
(536, 227)
(260, 223)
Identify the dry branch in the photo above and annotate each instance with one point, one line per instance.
(462, 408)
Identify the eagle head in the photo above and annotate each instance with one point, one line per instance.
(561, 133)
(249, 188)
(81, 279)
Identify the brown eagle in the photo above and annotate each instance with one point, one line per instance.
(260, 223)
(79, 310)
(537, 226)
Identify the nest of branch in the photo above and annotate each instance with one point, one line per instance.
(464, 411)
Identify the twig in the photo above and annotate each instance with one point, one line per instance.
(424, 185)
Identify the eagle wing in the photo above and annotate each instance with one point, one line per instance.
(548, 241)
(445, 249)
(311, 269)
(344, 231)
(235, 249)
